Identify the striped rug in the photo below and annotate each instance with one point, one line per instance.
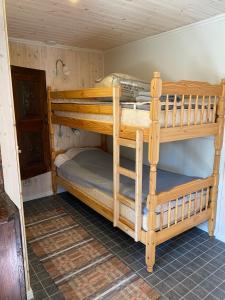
(80, 265)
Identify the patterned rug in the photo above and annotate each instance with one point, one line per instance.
(80, 265)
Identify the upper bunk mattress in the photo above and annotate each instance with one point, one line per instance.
(137, 113)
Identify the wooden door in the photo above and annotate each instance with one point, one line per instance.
(30, 102)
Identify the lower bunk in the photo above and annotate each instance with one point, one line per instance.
(182, 201)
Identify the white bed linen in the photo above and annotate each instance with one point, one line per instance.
(139, 118)
(129, 213)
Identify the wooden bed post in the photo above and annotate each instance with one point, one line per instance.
(154, 143)
(218, 147)
(51, 137)
(116, 153)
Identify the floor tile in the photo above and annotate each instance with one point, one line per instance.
(172, 295)
(189, 266)
(200, 292)
(191, 296)
(181, 289)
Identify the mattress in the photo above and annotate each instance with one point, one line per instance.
(137, 114)
(92, 171)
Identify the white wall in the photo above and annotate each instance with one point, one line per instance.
(180, 157)
(85, 67)
(195, 52)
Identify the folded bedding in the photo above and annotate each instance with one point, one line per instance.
(144, 96)
(130, 85)
(93, 168)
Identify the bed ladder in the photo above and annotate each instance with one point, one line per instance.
(137, 144)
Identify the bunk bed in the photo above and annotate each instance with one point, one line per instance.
(177, 111)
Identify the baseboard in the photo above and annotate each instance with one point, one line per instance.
(203, 226)
(220, 236)
(60, 190)
(30, 295)
(42, 195)
(37, 196)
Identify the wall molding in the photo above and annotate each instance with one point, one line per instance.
(37, 196)
(218, 235)
(43, 195)
(211, 20)
(59, 46)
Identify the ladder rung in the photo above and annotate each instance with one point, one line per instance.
(127, 143)
(127, 173)
(126, 201)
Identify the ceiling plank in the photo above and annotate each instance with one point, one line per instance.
(103, 24)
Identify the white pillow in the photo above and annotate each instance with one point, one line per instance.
(117, 78)
(69, 154)
(60, 160)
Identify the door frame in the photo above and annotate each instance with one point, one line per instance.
(11, 170)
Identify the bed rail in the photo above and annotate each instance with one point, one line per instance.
(189, 209)
(91, 93)
(198, 99)
(187, 87)
(187, 109)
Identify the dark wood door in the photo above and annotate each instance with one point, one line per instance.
(30, 101)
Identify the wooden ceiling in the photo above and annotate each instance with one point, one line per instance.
(103, 24)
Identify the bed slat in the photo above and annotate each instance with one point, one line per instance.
(203, 110)
(196, 110)
(174, 110)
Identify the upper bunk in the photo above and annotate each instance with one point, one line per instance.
(183, 109)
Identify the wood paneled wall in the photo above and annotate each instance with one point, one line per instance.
(85, 67)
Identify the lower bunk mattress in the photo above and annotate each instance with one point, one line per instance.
(91, 170)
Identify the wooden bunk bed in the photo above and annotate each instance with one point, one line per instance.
(196, 110)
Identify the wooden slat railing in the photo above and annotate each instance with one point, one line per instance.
(183, 205)
(187, 110)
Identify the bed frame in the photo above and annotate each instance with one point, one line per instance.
(211, 98)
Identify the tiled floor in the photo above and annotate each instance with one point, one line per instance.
(190, 266)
